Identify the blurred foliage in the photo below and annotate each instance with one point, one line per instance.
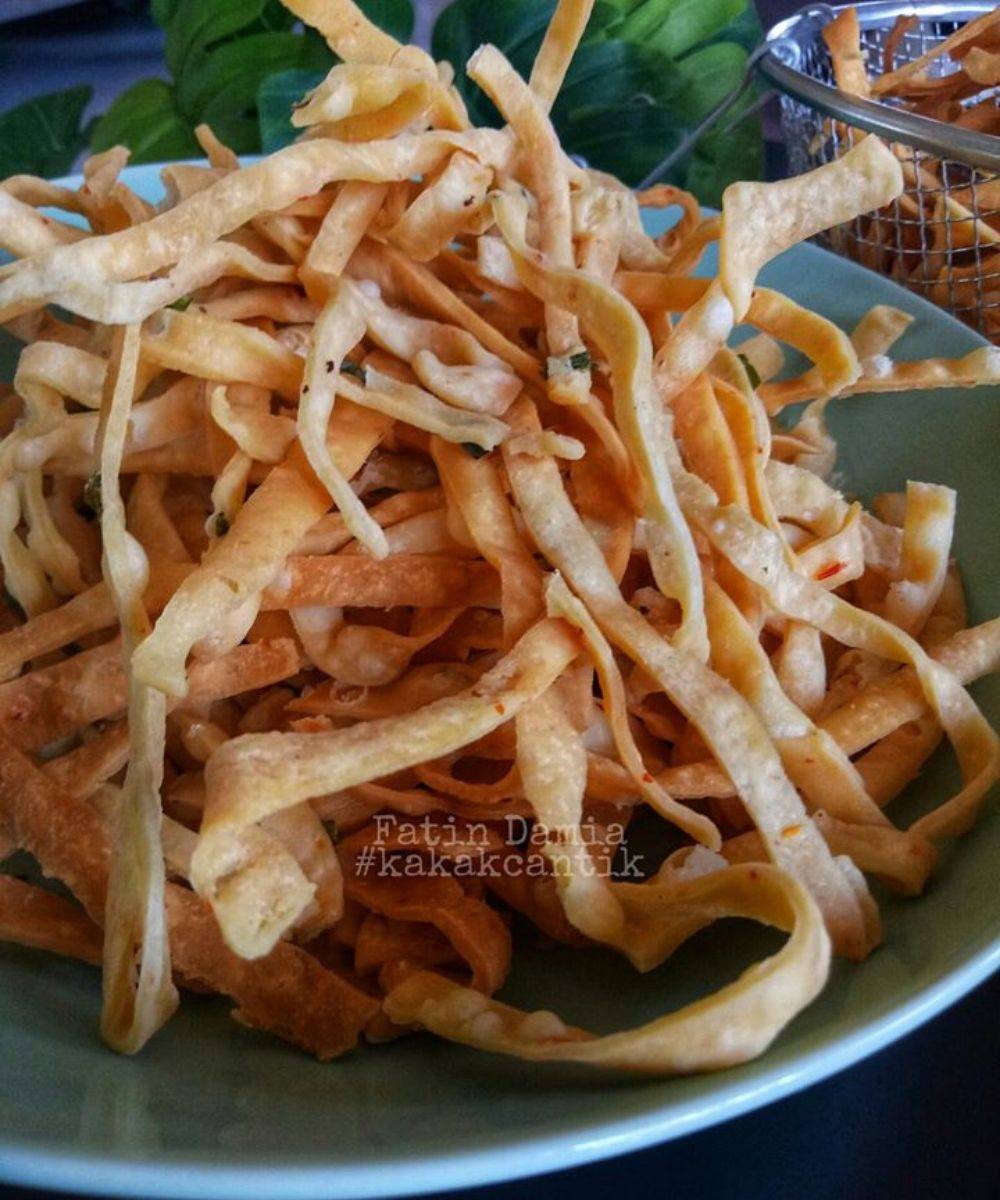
(646, 71)
(44, 135)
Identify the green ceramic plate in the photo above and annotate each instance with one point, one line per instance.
(209, 1109)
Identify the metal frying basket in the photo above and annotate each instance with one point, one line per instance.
(941, 238)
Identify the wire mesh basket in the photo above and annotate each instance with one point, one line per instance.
(941, 237)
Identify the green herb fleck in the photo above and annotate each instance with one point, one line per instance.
(92, 494)
(181, 304)
(580, 361)
(221, 524)
(333, 830)
(352, 368)
(752, 373)
(474, 450)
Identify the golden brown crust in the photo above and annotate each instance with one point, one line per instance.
(287, 993)
(34, 917)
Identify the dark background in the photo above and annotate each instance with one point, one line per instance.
(919, 1121)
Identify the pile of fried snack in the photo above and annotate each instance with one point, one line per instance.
(941, 235)
(402, 473)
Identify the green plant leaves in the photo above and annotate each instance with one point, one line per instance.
(516, 27)
(609, 74)
(724, 155)
(219, 53)
(44, 135)
(222, 55)
(674, 28)
(145, 118)
(646, 72)
(163, 10)
(394, 16)
(195, 27)
(231, 76)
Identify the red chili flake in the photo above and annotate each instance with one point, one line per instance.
(499, 709)
(830, 570)
(646, 777)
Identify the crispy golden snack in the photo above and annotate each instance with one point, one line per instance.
(398, 487)
(939, 238)
(288, 993)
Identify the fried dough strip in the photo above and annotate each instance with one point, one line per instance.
(254, 886)
(83, 614)
(287, 993)
(33, 917)
(957, 41)
(240, 565)
(349, 33)
(624, 341)
(543, 163)
(428, 581)
(56, 701)
(759, 220)
(338, 327)
(139, 994)
(557, 49)
(203, 218)
(722, 717)
(562, 603)
(475, 930)
(734, 1024)
(762, 557)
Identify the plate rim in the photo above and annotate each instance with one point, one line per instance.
(573, 1143)
(181, 1177)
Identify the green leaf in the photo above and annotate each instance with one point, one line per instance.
(745, 29)
(675, 26)
(44, 135)
(195, 26)
(145, 118)
(394, 16)
(512, 26)
(645, 72)
(229, 77)
(726, 154)
(622, 8)
(515, 26)
(239, 131)
(597, 134)
(606, 74)
(275, 97)
(708, 76)
(162, 11)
